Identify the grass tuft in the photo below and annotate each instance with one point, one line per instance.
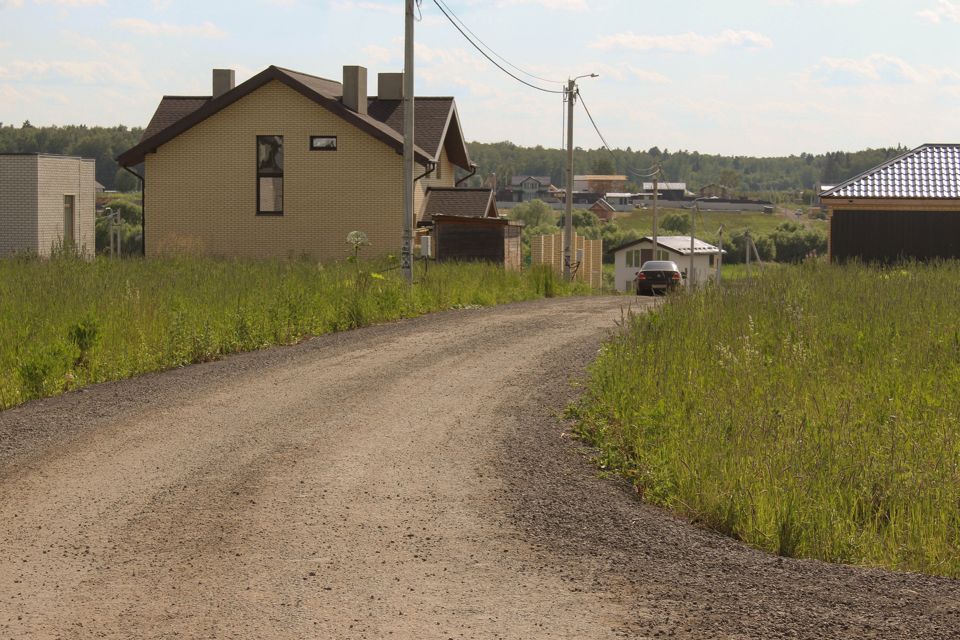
(810, 411)
(66, 322)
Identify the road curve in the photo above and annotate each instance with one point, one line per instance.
(411, 480)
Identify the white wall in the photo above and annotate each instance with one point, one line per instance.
(624, 275)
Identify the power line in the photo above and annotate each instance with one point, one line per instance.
(646, 173)
(490, 49)
(484, 54)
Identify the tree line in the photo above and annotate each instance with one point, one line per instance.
(770, 178)
(774, 178)
(103, 144)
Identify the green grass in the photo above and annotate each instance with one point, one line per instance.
(811, 411)
(65, 323)
(708, 222)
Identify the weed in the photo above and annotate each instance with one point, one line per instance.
(809, 410)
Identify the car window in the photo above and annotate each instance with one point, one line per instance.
(659, 265)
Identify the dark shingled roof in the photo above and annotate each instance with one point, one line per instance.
(930, 171)
(463, 203)
(436, 118)
(431, 117)
(516, 181)
(170, 110)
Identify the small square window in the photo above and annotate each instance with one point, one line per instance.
(323, 143)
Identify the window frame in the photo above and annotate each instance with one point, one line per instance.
(333, 148)
(269, 174)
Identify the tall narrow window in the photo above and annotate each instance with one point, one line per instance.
(68, 223)
(270, 175)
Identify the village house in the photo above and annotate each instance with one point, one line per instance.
(286, 164)
(528, 188)
(629, 257)
(905, 208)
(599, 183)
(46, 202)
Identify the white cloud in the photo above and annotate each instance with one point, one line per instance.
(685, 42)
(145, 27)
(879, 68)
(10, 4)
(944, 10)
(375, 54)
(72, 3)
(376, 7)
(78, 71)
(648, 77)
(553, 5)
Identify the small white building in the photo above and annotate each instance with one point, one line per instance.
(628, 258)
(46, 201)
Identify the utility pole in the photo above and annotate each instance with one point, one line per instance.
(656, 178)
(406, 250)
(720, 255)
(568, 250)
(693, 228)
(568, 204)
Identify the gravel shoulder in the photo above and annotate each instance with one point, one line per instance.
(411, 480)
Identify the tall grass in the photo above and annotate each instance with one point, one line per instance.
(812, 411)
(65, 322)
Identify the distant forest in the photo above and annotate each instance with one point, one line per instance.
(773, 178)
(103, 144)
(766, 177)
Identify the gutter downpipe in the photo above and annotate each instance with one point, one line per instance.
(143, 210)
(473, 172)
(431, 167)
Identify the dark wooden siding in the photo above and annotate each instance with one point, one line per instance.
(891, 236)
(470, 242)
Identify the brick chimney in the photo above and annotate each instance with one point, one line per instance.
(355, 88)
(223, 81)
(390, 86)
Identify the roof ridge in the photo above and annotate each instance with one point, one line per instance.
(881, 168)
(303, 73)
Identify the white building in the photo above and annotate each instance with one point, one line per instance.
(628, 258)
(46, 201)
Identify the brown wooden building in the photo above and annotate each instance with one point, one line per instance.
(906, 208)
(466, 227)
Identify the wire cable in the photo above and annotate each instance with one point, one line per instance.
(491, 50)
(646, 173)
(484, 54)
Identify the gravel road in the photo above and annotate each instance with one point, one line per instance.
(411, 480)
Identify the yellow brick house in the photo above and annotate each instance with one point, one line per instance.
(287, 164)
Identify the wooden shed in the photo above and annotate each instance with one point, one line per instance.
(467, 227)
(906, 208)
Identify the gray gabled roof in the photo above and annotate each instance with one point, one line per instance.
(677, 244)
(462, 203)
(931, 171)
(436, 118)
(516, 181)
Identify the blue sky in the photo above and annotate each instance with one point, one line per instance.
(751, 77)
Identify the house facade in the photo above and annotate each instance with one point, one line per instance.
(628, 258)
(287, 164)
(599, 183)
(46, 202)
(906, 208)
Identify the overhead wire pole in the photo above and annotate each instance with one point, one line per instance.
(568, 196)
(568, 250)
(406, 250)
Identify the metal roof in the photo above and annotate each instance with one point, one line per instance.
(666, 186)
(677, 244)
(931, 171)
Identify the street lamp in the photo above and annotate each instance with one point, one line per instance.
(570, 94)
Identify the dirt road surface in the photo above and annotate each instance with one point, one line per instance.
(411, 480)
